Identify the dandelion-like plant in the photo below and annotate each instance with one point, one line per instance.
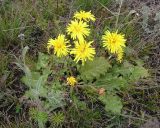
(114, 43)
(78, 29)
(60, 45)
(86, 16)
(71, 81)
(83, 51)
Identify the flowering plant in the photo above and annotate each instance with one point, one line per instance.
(73, 61)
(79, 30)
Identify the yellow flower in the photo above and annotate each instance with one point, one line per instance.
(60, 46)
(71, 81)
(113, 41)
(78, 29)
(86, 16)
(120, 55)
(83, 51)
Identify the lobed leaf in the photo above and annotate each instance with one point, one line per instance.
(112, 103)
(93, 69)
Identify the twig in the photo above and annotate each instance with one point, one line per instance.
(113, 13)
(12, 29)
(142, 88)
(117, 17)
(128, 116)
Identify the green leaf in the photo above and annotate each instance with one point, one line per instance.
(81, 105)
(42, 61)
(24, 52)
(93, 69)
(112, 103)
(55, 97)
(124, 70)
(36, 93)
(55, 100)
(38, 115)
(30, 81)
(36, 83)
(58, 118)
(139, 72)
(130, 71)
(18, 108)
(110, 83)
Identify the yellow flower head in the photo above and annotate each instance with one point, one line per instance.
(60, 46)
(78, 29)
(83, 51)
(113, 41)
(86, 16)
(71, 81)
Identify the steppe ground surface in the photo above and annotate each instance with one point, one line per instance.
(31, 23)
